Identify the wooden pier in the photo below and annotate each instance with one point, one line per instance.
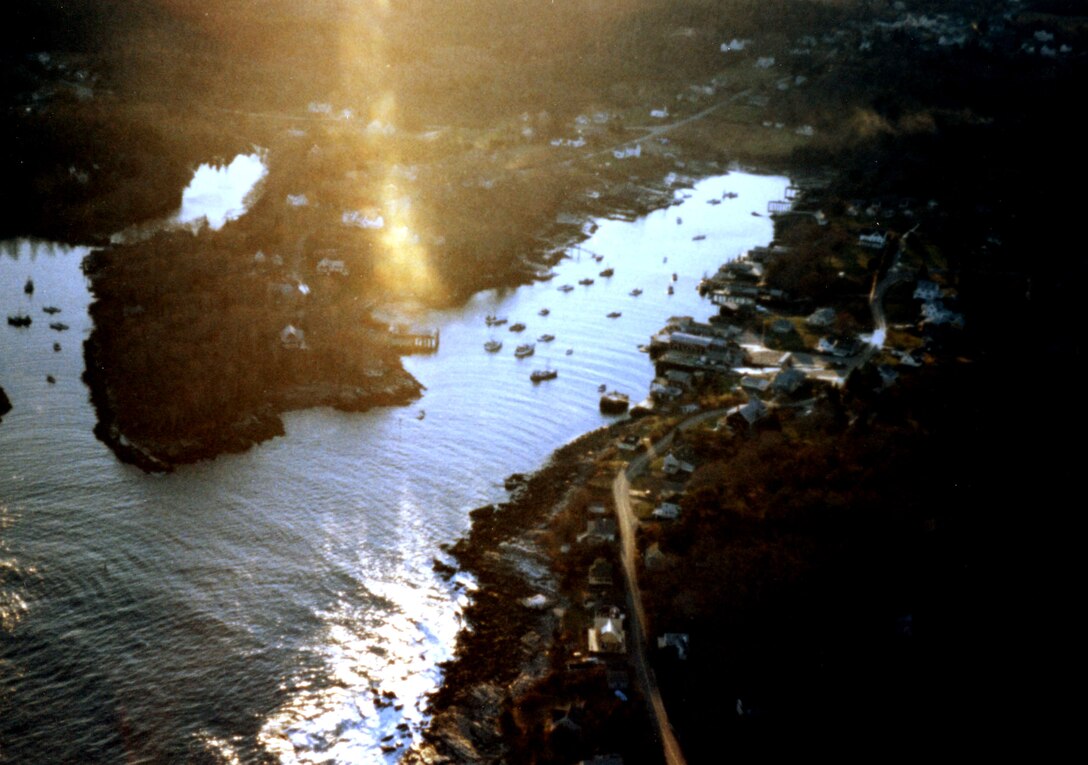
(411, 340)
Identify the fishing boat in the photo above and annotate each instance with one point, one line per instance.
(539, 375)
(614, 402)
(524, 350)
(608, 272)
(545, 338)
(519, 327)
(493, 346)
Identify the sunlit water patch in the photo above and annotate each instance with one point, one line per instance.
(219, 193)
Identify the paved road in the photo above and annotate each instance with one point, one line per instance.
(628, 524)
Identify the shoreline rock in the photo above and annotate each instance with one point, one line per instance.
(505, 643)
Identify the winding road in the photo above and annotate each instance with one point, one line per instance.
(628, 524)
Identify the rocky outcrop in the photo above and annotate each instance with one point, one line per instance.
(5, 404)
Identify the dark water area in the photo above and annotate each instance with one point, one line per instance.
(281, 604)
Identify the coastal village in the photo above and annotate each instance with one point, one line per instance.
(767, 359)
(775, 536)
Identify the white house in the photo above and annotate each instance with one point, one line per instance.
(293, 337)
(326, 267)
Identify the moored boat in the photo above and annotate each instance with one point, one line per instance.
(493, 321)
(635, 292)
(28, 288)
(585, 282)
(545, 338)
(543, 312)
(19, 320)
(519, 327)
(614, 315)
(539, 375)
(493, 346)
(614, 402)
(60, 326)
(525, 349)
(608, 272)
(566, 288)
(51, 309)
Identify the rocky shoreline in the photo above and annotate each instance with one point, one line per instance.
(511, 621)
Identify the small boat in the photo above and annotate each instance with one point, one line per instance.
(545, 338)
(19, 320)
(674, 276)
(566, 288)
(614, 403)
(635, 292)
(60, 326)
(698, 237)
(544, 276)
(570, 351)
(539, 375)
(56, 347)
(51, 309)
(756, 215)
(602, 388)
(28, 288)
(524, 350)
(493, 346)
(730, 195)
(614, 315)
(670, 290)
(586, 282)
(50, 379)
(713, 201)
(493, 321)
(679, 220)
(543, 312)
(519, 327)
(608, 272)
(422, 413)
(598, 258)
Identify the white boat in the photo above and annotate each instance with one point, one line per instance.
(524, 350)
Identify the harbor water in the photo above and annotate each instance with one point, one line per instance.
(282, 604)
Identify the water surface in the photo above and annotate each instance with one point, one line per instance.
(259, 603)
